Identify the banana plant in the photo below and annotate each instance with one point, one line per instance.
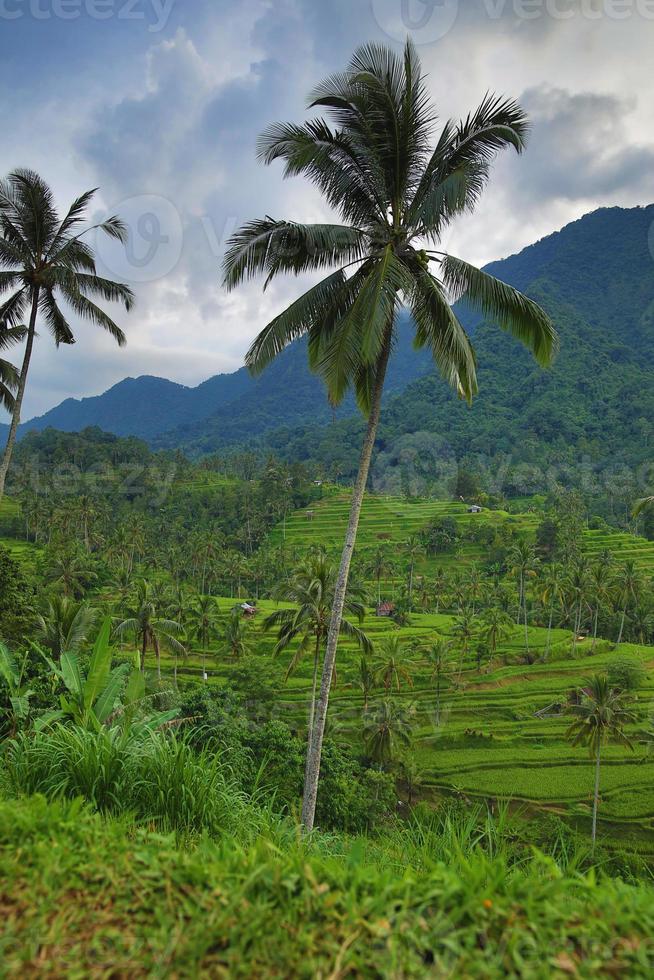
(19, 693)
(89, 700)
(105, 697)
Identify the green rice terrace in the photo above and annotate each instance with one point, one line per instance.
(498, 729)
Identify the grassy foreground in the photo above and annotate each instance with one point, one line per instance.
(85, 897)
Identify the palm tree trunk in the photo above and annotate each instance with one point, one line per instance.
(624, 613)
(595, 628)
(18, 402)
(548, 646)
(438, 700)
(596, 797)
(315, 747)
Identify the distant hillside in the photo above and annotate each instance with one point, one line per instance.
(595, 405)
(226, 409)
(595, 277)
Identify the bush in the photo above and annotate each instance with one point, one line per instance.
(626, 674)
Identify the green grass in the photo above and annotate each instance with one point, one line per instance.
(84, 897)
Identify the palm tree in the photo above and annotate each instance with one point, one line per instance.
(392, 667)
(311, 590)
(151, 631)
(64, 625)
(413, 550)
(577, 585)
(523, 561)
(395, 194)
(550, 585)
(204, 612)
(235, 635)
(366, 681)
(496, 626)
(380, 564)
(465, 628)
(600, 717)
(44, 258)
(600, 587)
(628, 583)
(437, 656)
(386, 726)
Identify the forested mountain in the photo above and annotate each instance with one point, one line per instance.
(595, 277)
(225, 409)
(595, 405)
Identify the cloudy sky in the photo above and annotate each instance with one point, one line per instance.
(159, 102)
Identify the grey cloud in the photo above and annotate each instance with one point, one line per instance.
(580, 148)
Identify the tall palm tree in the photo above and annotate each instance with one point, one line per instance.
(205, 617)
(386, 726)
(600, 717)
(600, 587)
(150, 630)
(496, 626)
(396, 195)
(550, 589)
(365, 681)
(64, 625)
(392, 667)
(465, 628)
(577, 585)
(380, 565)
(628, 583)
(311, 590)
(437, 656)
(43, 259)
(523, 561)
(413, 550)
(236, 635)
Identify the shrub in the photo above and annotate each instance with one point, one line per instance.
(626, 674)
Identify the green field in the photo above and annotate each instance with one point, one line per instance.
(490, 742)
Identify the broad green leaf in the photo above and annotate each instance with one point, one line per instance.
(8, 667)
(106, 701)
(99, 666)
(71, 674)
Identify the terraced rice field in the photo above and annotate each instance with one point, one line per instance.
(495, 737)
(390, 521)
(624, 546)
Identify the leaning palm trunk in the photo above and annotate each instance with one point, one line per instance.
(18, 402)
(316, 736)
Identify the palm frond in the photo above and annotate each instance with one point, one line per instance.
(513, 311)
(284, 246)
(438, 328)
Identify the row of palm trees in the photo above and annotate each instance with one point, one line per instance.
(156, 620)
